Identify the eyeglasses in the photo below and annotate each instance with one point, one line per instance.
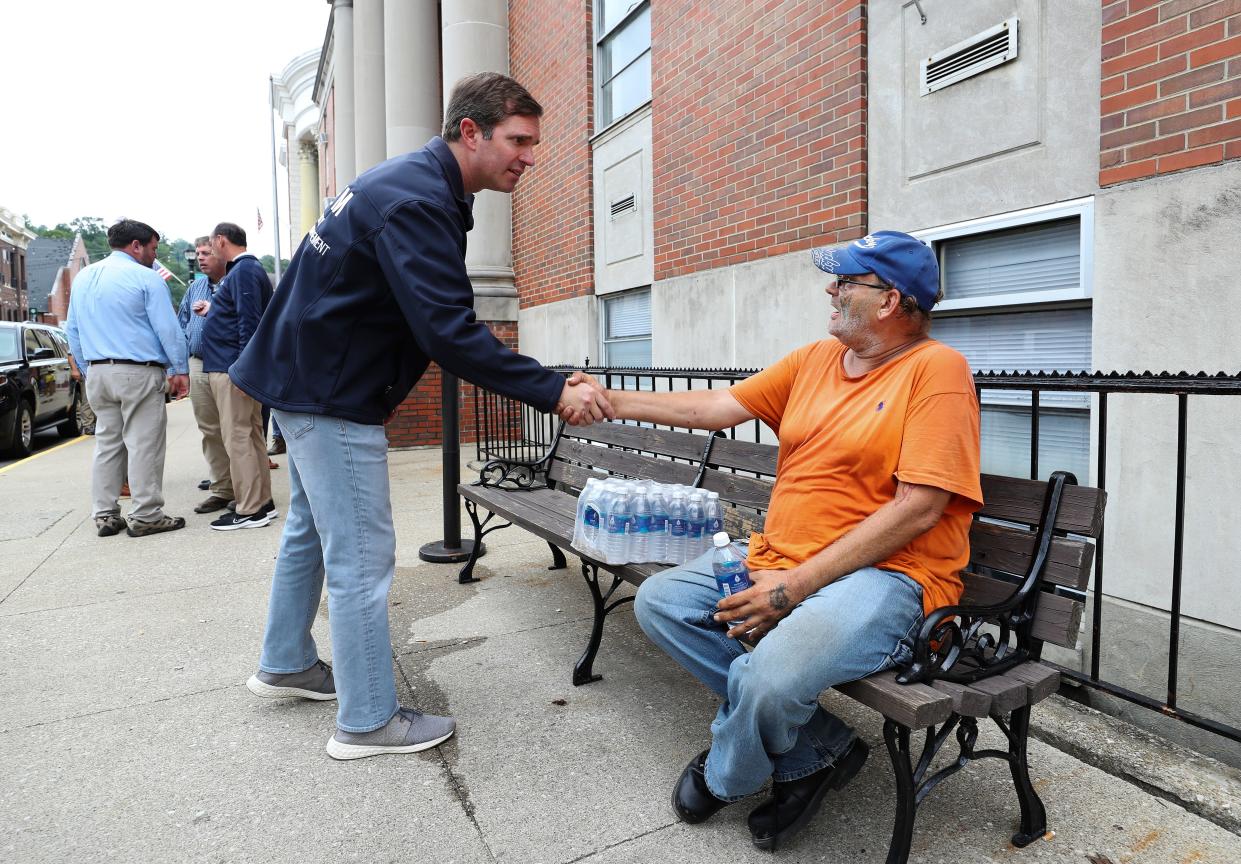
(842, 281)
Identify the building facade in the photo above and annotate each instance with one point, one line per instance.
(52, 264)
(15, 237)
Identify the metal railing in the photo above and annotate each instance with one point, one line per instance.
(511, 431)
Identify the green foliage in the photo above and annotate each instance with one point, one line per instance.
(269, 264)
(94, 231)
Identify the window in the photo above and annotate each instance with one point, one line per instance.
(32, 342)
(1017, 299)
(623, 55)
(627, 329)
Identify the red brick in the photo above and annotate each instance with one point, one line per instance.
(1233, 109)
(1214, 12)
(1131, 60)
(1155, 34)
(1112, 86)
(1130, 24)
(1128, 135)
(1191, 158)
(1111, 158)
(1190, 120)
(1158, 147)
(1156, 71)
(1112, 49)
(1192, 40)
(1115, 11)
(1111, 122)
(1216, 93)
(1219, 51)
(1128, 99)
(1230, 131)
(1232, 150)
(1175, 105)
(1190, 80)
(1173, 8)
(1130, 171)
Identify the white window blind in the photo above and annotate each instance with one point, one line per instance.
(1031, 258)
(627, 329)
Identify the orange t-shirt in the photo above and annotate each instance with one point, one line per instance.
(844, 443)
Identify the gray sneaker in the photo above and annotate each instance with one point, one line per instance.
(313, 683)
(407, 732)
(159, 526)
(109, 526)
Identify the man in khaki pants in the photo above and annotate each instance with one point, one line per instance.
(193, 317)
(243, 294)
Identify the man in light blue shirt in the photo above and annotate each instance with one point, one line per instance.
(121, 323)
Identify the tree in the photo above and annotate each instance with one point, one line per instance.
(269, 264)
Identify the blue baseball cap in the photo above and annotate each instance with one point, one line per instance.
(904, 262)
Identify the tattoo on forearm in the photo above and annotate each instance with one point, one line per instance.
(779, 600)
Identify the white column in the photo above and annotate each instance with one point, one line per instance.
(475, 39)
(411, 73)
(308, 182)
(368, 63)
(343, 149)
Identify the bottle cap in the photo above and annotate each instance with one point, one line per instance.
(720, 539)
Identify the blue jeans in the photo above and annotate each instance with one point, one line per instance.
(339, 522)
(770, 723)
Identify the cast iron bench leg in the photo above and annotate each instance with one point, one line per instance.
(1033, 814)
(466, 574)
(896, 737)
(558, 562)
(583, 672)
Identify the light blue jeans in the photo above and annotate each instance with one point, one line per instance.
(339, 521)
(770, 723)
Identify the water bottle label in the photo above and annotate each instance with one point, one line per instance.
(679, 527)
(616, 524)
(592, 517)
(714, 526)
(642, 524)
(695, 530)
(658, 523)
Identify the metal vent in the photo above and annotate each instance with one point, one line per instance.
(980, 52)
(623, 206)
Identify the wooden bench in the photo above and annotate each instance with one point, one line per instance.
(1030, 559)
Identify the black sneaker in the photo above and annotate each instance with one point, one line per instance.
(270, 509)
(204, 485)
(231, 521)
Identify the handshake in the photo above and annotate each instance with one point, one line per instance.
(584, 401)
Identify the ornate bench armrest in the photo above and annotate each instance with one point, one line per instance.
(516, 474)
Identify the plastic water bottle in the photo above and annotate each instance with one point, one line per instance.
(728, 564)
(658, 544)
(618, 526)
(640, 542)
(715, 515)
(696, 514)
(678, 526)
(593, 498)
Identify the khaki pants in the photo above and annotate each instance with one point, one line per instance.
(241, 427)
(207, 414)
(131, 430)
(86, 415)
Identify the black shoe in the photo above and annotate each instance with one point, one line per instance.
(270, 509)
(692, 801)
(204, 485)
(793, 803)
(231, 521)
(276, 448)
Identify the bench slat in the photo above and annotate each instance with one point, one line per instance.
(1015, 500)
(966, 701)
(739, 489)
(573, 476)
(1006, 693)
(624, 462)
(1012, 550)
(1040, 680)
(914, 705)
(665, 442)
(1057, 619)
(745, 456)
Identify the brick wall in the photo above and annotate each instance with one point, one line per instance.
(759, 129)
(418, 418)
(551, 53)
(1171, 86)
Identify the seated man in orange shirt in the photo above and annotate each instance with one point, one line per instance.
(868, 527)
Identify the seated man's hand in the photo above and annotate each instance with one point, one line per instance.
(759, 608)
(583, 401)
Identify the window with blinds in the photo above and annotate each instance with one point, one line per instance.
(627, 329)
(1042, 259)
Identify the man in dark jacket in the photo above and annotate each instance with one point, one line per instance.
(377, 290)
(233, 319)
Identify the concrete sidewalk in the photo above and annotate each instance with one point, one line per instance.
(127, 733)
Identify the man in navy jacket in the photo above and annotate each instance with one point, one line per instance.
(232, 321)
(377, 290)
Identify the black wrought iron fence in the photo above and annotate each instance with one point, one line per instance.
(511, 431)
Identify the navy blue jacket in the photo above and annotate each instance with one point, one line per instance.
(236, 310)
(376, 290)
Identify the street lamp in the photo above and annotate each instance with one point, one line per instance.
(191, 259)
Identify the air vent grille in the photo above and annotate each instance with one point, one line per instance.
(976, 54)
(624, 205)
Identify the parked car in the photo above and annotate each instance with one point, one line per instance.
(37, 391)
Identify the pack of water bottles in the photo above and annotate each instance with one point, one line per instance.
(635, 521)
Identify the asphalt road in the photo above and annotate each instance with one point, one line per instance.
(42, 441)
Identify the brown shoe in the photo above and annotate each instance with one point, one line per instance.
(124, 490)
(159, 526)
(212, 504)
(276, 448)
(109, 526)
(271, 466)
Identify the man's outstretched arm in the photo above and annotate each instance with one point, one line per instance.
(691, 409)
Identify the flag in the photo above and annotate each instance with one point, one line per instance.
(163, 271)
(260, 218)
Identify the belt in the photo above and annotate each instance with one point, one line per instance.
(111, 362)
